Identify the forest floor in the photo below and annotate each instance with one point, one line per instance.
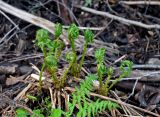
(128, 30)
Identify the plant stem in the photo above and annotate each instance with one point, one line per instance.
(83, 55)
(73, 47)
(63, 78)
(40, 76)
(114, 82)
(55, 81)
(44, 52)
(100, 81)
(106, 84)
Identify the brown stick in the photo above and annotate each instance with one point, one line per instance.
(120, 19)
(43, 23)
(140, 2)
(38, 21)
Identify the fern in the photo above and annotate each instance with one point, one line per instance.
(93, 108)
(88, 108)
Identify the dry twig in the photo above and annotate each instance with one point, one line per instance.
(140, 2)
(38, 21)
(120, 19)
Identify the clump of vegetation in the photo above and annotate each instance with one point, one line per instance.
(52, 50)
(80, 98)
(73, 33)
(102, 70)
(88, 108)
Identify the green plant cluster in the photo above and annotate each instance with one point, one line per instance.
(102, 70)
(79, 97)
(52, 50)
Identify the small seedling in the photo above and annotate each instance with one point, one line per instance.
(88, 36)
(126, 69)
(51, 51)
(73, 33)
(104, 88)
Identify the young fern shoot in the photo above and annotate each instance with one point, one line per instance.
(59, 43)
(70, 58)
(104, 88)
(101, 68)
(73, 33)
(51, 51)
(88, 36)
(41, 37)
(126, 68)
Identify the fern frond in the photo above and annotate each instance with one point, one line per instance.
(100, 106)
(85, 107)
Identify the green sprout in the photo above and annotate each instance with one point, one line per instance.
(99, 55)
(126, 69)
(70, 58)
(104, 88)
(101, 68)
(73, 33)
(58, 30)
(51, 51)
(41, 37)
(59, 48)
(88, 36)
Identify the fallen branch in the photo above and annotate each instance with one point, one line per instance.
(48, 25)
(120, 19)
(140, 2)
(147, 66)
(38, 21)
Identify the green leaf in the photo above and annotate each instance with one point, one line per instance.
(42, 34)
(51, 61)
(102, 68)
(58, 44)
(70, 56)
(124, 64)
(21, 112)
(37, 113)
(99, 55)
(110, 71)
(73, 32)
(56, 113)
(88, 36)
(58, 30)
